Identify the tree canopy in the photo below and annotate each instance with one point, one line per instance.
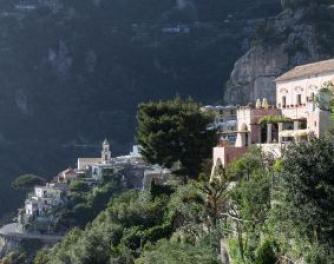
(174, 133)
(308, 182)
(27, 181)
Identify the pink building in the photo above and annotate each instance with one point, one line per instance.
(296, 92)
(301, 112)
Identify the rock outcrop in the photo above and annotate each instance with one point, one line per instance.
(283, 42)
(7, 246)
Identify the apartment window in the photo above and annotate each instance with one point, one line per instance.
(283, 101)
(299, 99)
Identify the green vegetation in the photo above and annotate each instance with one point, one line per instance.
(263, 211)
(306, 206)
(273, 119)
(173, 252)
(139, 227)
(14, 258)
(324, 98)
(86, 202)
(276, 211)
(27, 182)
(174, 134)
(284, 211)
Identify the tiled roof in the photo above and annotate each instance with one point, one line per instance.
(83, 162)
(89, 160)
(308, 69)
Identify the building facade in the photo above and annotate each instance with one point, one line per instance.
(225, 121)
(301, 112)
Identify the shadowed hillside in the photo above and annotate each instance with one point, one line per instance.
(73, 72)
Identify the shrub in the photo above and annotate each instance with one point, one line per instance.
(266, 253)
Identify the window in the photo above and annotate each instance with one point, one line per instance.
(299, 99)
(283, 101)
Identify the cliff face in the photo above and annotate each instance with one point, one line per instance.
(254, 73)
(290, 39)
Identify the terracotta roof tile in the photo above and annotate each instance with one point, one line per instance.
(308, 69)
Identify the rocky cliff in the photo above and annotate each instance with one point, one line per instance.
(292, 38)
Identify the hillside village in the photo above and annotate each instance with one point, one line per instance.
(39, 213)
(301, 112)
(296, 117)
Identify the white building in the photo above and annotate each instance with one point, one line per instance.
(44, 199)
(98, 167)
(225, 120)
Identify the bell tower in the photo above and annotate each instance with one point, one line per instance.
(105, 153)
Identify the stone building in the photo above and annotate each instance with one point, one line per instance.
(38, 213)
(302, 112)
(99, 163)
(44, 199)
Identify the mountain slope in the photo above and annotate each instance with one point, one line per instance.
(73, 72)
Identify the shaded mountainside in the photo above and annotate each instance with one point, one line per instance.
(73, 72)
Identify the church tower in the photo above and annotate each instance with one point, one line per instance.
(105, 153)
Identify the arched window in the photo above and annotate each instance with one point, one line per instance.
(284, 101)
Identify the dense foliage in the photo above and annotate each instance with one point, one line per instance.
(262, 212)
(86, 202)
(273, 119)
(324, 98)
(175, 134)
(284, 212)
(307, 203)
(173, 252)
(118, 234)
(27, 181)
